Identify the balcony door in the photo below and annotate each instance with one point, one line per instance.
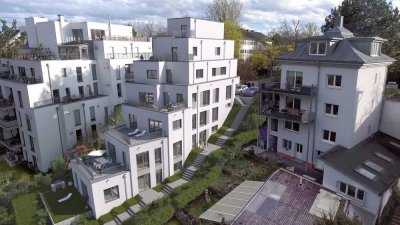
(144, 182)
(56, 96)
(174, 54)
(294, 79)
(184, 31)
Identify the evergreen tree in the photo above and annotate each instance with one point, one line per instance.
(10, 48)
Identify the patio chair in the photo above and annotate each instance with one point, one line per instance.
(141, 134)
(65, 198)
(134, 132)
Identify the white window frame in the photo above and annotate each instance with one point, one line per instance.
(334, 81)
(291, 126)
(286, 144)
(330, 113)
(329, 137)
(356, 190)
(318, 43)
(299, 148)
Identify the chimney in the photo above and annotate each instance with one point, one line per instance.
(61, 18)
(339, 21)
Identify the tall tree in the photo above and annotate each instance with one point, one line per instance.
(246, 71)
(149, 29)
(266, 58)
(232, 31)
(372, 18)
(222, 10)
(10, 46)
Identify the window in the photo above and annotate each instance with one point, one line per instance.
(286, 144)
(299, 148)
(77, 117)
(159, 176)
(218, 71)
(177, 146)
(229, 92)
(215, 114)
(132, 121)
(194, 51)
(28, 123)
(23, 138)
(21, 104)
(96, 88)
(351, 191)
(194, 140)
(146, 98)
(274, 125)
(144, 182)
(199, 73)
(32, 143)
(293, 126)
(223, 70)
(33, 72)
(293, 103)
(169, 76)
(94, 72)
(152, 74)
(119, 90)
(217, 51)
(216, 95)
(194, 121)
(154, 125)
(294, 80)
(331, 109)
(20, 119)
(157, 155)
(78, 135)
(21, 71)
(142, 160)
(177, 124)
(203, 118)
(79, 74)
(375, 49)
(111, 194)
(81, 91)
(206, 97)
(214, 72)
(179, 98)
(334, 81)
(92, 113)
(329, 136)
(64, 72)
(317, 48)
(178, 166)
(214, 128)
(194, 100)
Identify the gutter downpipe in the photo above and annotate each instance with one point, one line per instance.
(316, 113)
(48, 76)
(59, 131)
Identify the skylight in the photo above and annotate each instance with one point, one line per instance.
(394, 144)
(365, 173)
(373, 166)
(384, 157)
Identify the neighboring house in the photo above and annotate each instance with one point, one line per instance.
(176, 100)
(390, 119)
(365, 175)
(252, 41)
(64, 84)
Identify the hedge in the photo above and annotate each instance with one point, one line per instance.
(243, 138)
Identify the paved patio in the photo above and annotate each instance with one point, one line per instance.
(150, 195)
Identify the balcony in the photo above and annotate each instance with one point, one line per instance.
(290, 114)
(182, 33)
(166, 108)
(6, 103)
(134, 137)
(129, 76)
(294, 89)
(98, 167)
(20, 79)
(11, 143)
(125, 38)
(8, 122)
(141, 56)
(65, 100)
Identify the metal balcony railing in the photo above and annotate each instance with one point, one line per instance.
(11, 142)
(296, 89)
(6, 103)
(166, 108)
(8, 121)
(182, 33)
(64, 100)
(139, 55)
(124, 38)
(21, 79)
(297, 115)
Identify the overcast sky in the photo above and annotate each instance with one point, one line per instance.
(262, 15)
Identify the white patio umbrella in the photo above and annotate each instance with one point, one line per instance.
(97, 153)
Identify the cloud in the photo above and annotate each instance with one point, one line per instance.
(263, 15)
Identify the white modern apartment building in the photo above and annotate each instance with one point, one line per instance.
(175, 102)
(325, 108)
(253, 41)
(64, 83)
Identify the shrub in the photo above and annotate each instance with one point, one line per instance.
(154, 215)
(132, 201)
(173, 178)
(105, 218)
(234, 152)
(244, 138)
(59, 167)
(42, 180)
(5, 217)
(80, 220)
(118, 210)
(42, 217)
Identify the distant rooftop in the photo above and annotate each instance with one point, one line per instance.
(255, 36)
(131, 138)
(373, 162)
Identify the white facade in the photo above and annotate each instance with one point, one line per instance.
(390, 120)
(63, 85)
(178, 98)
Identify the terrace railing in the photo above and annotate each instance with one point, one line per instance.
(140, 55)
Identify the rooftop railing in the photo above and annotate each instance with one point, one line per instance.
(107, 170)
(124, 38)
(64, 100)
(182, 33)
(166, 108)
(290, 114)
(296, 89)
(139, 55)
(21, 79)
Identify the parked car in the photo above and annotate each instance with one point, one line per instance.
(240, 88)
(250, 91)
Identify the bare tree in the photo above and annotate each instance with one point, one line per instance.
(311, 29)
(149, 29)
(291, 30)
(222, 10)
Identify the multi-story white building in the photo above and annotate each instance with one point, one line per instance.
(252, 42)
(65, 82)
(330, 98)
(175, 102)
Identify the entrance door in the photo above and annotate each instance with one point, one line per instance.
(144, 182)
(56, 96)
(174, 53)
(202, 137)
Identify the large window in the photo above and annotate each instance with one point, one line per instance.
(329, 136)
(146, 97)
(218, 71)
(21, 71)
(64, 72)
(203, 118)
(152, 74)
(92, 113)
(206, 97)
(178, 166)
(351, 191)
(28, 122)
(177, 146)
(293, 103)
(159, 176)
(77, 117)
(299, 148)
(294, 79)
(194, 100)
(111, 194)
(21, 104)
(218, 51)
(375, 49)
(179, 98)
(317, 48)
(142, 160)
(274, 125)
(216, 95)
(331, 109)
(199, 73)
(215, 114)
(157, 155)
(229, 92)
(194, 121)
(177, 124)
(79, 74)
(94, 72)
(144, 182)
(194, 51)
(334, 81)
(154, 125)
(32, 143)
(286, 144)
(293, 126)
(119, 90)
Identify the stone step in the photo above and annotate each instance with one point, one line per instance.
(167, 190)
(123, 217)
(112, 222)
(142, 203)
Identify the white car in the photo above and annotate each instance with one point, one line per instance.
(240, 88)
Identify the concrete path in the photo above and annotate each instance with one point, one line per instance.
(150, 195)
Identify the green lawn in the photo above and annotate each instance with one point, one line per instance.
(168, 180)
(19, 172)
(25, 208)
(228, 122)
(67, 209)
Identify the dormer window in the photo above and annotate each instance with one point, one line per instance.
(317, 48)
(375, 49)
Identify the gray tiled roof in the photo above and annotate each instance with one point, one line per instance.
(346, 161)
(343, 52)
(255, 36)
